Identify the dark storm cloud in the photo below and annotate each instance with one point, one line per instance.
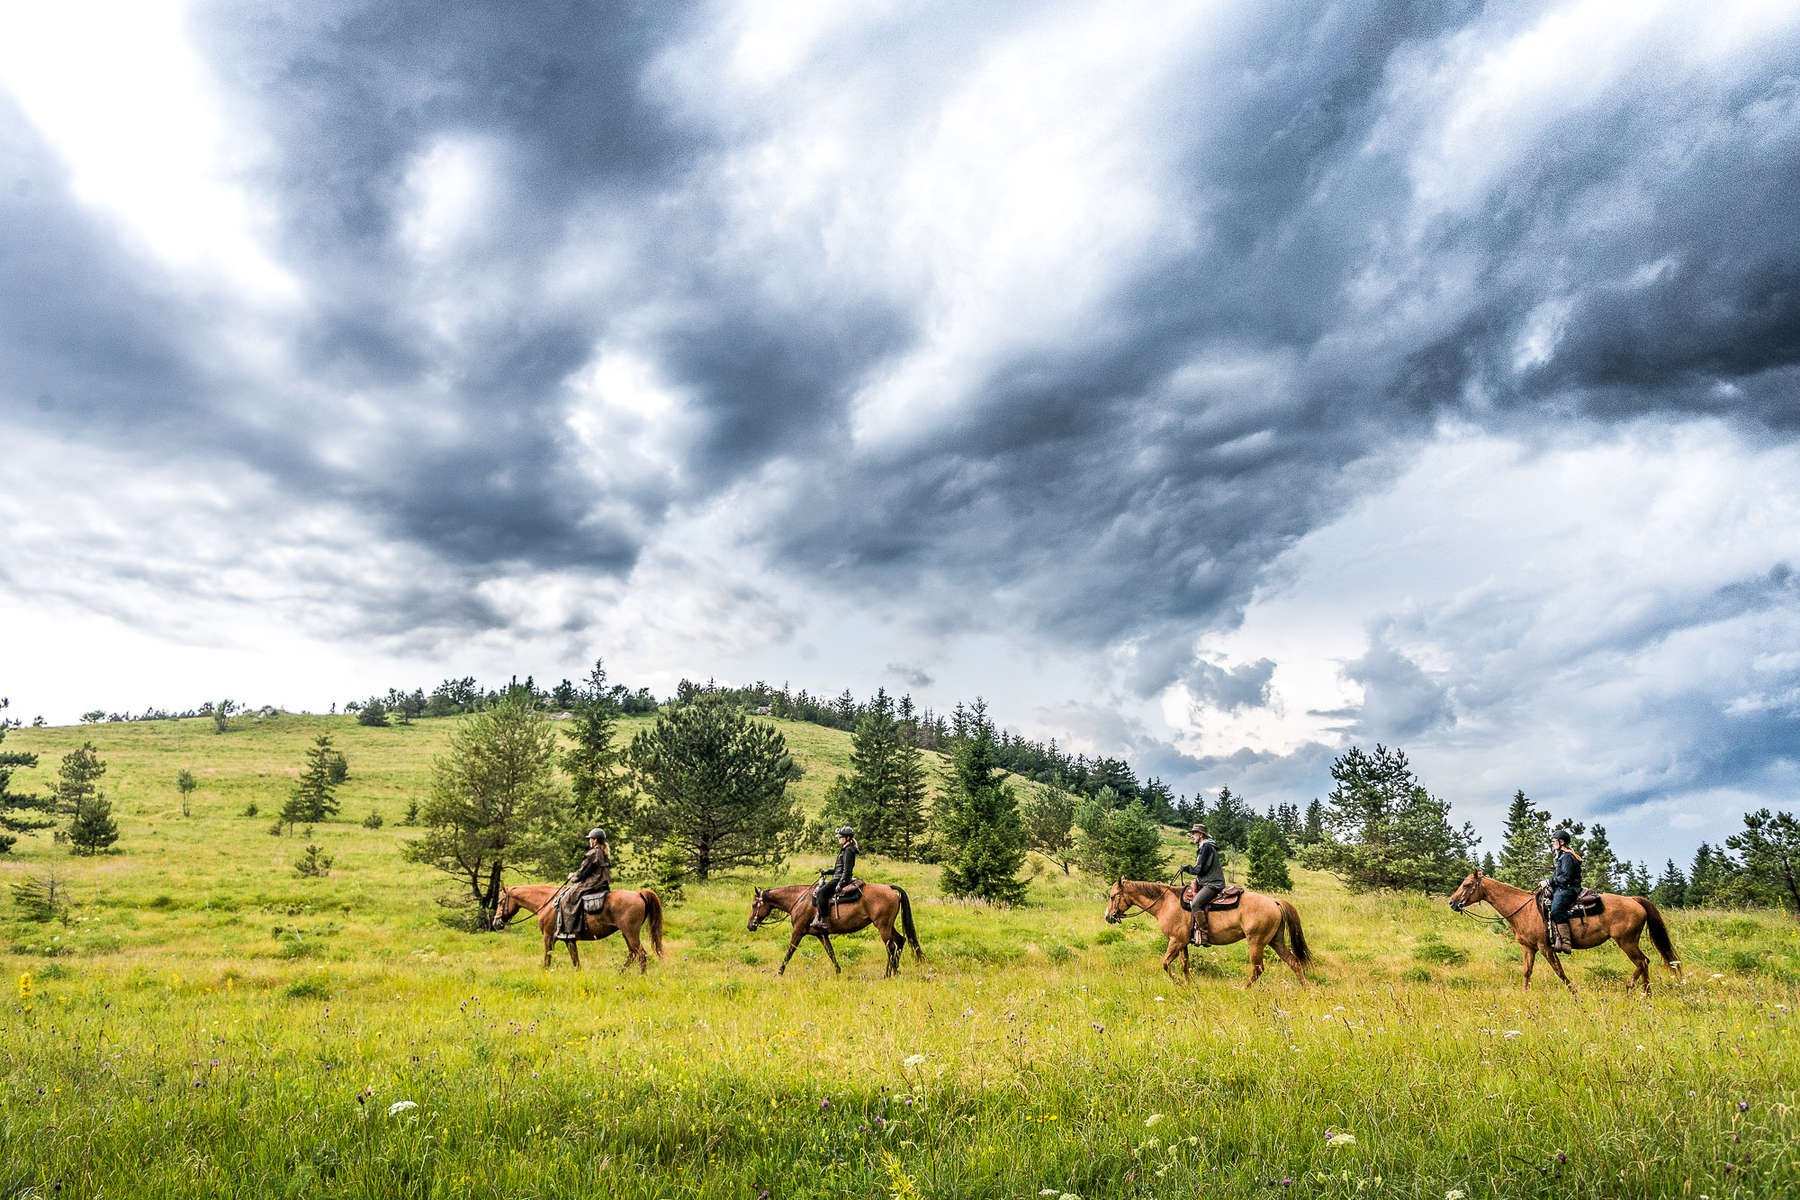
(1400, 700)
(911, 676)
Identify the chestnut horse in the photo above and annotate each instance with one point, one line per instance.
(626, 912)
(1260, 920)
(1621, 919)
(877, 906)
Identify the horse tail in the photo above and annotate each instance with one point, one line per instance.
(1659, 932)
(906, 924)
(653, 916)
(1290, 920)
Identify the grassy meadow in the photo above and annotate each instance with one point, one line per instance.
(208, 1022)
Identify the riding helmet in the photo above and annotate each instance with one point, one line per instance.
(1562, 835)
(846, 831)
(597, 834)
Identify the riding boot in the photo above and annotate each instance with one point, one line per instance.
(1199, 933)
(820, 924)
(1565, 938)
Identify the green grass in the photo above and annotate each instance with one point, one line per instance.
(210, 1023)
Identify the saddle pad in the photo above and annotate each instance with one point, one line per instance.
(1226, 899)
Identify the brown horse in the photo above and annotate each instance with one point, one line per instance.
(626, 912)
(1621, 919)
(877, 906)
(1260, 920)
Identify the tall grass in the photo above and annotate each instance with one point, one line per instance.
(210, 1023)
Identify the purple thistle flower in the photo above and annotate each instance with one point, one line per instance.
(1743, 1106)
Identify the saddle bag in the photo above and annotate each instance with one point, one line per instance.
(593, 902)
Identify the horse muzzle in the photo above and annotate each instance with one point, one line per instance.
(1456, 906)
(1112, 918)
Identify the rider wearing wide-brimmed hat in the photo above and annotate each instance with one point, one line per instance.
(1565, 888)
(835, 878)
(592, 876)
(1209, 875)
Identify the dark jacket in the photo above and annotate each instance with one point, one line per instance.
(595, 872)
(845, 868)
(1207, 868)
(1567, 873)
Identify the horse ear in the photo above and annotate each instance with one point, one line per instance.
(1121, 881)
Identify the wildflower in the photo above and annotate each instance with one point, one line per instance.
(1342, 1139)
(1458, 1194)
(913, 1060)
(824, 1104)
(1743, 1106)
(1151, 1121)
(1561, 1157)
(400, 1106)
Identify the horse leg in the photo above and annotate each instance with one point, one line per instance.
(1530, 953)
(825, 941)
(1256, 963)
(574, 955)
(1639, 960)
(1288, 956)
(549, 941)
(1556, 965)
(1169, 958)
(793, 945)
(634, 950)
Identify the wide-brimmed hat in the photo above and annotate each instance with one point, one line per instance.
(1198, 829)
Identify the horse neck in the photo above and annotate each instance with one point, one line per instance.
(533, 896)
(1147, 896)
(1505, 899)
(784, 898)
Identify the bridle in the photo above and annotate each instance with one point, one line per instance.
(1462, 907)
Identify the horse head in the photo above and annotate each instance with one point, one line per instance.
(507, 907)
(760, 908)
(1118, 901)
(1468, 892)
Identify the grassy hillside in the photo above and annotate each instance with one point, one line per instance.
(212, 1023)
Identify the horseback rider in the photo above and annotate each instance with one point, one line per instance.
(592, 876)
(834, 879)
(1209, 876)
(1565, 888)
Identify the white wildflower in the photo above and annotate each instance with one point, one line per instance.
(914, 1060)
(1454, 1194)
(400, 1106)
(1151, 1121)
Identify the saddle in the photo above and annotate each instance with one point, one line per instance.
(1587, 904)
(1226, 899)
(847, 895)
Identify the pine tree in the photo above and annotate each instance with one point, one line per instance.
(907, 819)
(1229, 820)
(18, 809)
(1637, 879)
(374, 712)
(1388, 830)
(1524, 850)
(1599, 867)
(1770, 849)
(869, 791)
(93, 829)
(1671, 890)
(1050, 823)
(1119, 842)
(1268, 864)
(984, 834)
(494, 799)
(600, 792)
(1708, 874)
(78, 781)
(1314, 830)
(313, 798)
(715, 782)
(1489, 866)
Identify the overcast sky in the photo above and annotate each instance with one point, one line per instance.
(1218, 385)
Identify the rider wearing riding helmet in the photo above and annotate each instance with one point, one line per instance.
(592, 876)
(836, 878)
(1565, 887)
